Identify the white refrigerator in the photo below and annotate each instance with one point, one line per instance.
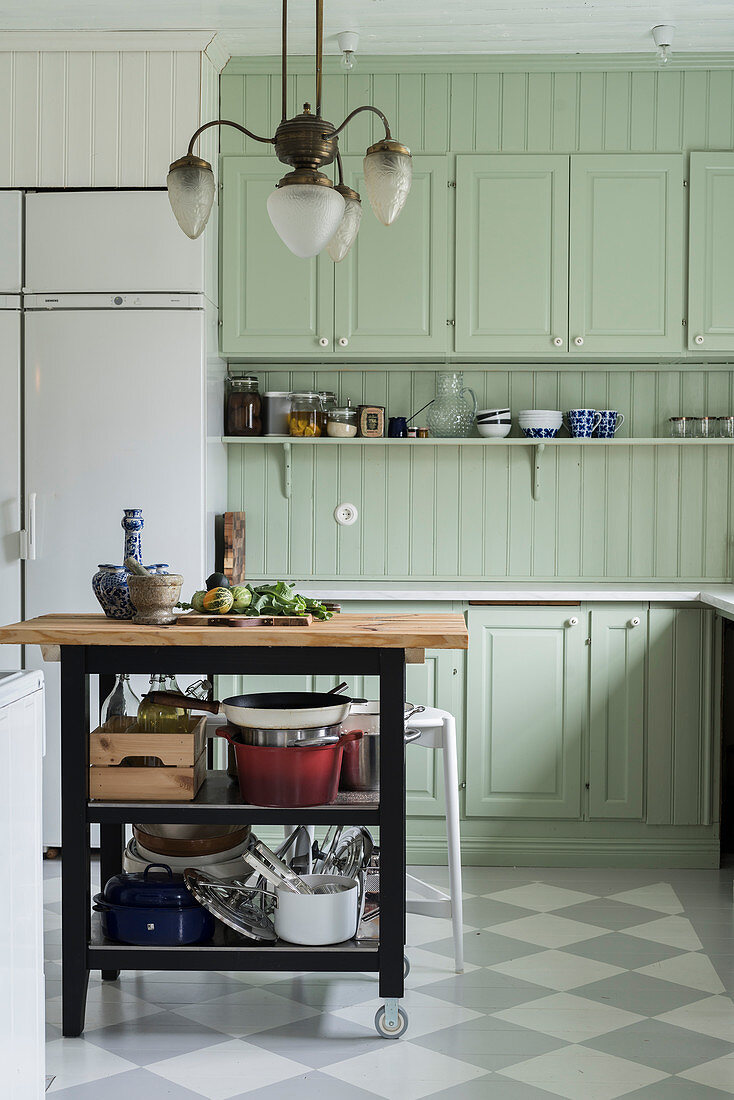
(116, 380)
(11, 275)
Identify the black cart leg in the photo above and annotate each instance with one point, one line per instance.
(392, 822)
(110, 863)
(75, 900)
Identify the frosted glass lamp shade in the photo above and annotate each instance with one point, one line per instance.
(388, 174)
(190, 183)
(347, 230)
(305, 216)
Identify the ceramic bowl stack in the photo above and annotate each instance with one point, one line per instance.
(540, 423)
(494, 423)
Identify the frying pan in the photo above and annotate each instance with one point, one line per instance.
(270, 710)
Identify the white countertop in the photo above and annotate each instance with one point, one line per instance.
(718, 596)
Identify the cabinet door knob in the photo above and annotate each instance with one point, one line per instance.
(558, 341)
(634, 622)
(343, 341)
(323, 341)
(698, 339)
(578, 341)
(573, 621)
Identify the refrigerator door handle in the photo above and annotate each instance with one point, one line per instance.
(28, 536)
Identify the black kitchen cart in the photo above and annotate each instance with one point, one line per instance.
(348, 644)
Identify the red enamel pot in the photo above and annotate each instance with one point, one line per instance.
(285, 777)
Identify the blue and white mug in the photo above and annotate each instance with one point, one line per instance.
(581, 423)
(610, 423)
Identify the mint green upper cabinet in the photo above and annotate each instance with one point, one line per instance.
(390, 292)
(626, 254)
(526, 688)
(617, 710)
(512, 255)
(711, 253)
(272, 302)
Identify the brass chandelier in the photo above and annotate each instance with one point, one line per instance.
(308, 211)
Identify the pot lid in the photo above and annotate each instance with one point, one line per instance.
(231, 902)
(157, 886)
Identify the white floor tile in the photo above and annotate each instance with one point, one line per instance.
(399, 1071)
(660, 896)
(579, 1073)
(693, 970)
(541, 897)
(718, 1074)
(74, 1062)
(427, 967)
(713, 1016)
(565, 1016)
(672, 931)
(557, 969)
(104, 1012)
(247, 1012)
(548, 930)
(427, 1014)
(51, 920)
(228, 1069)
(422, 929)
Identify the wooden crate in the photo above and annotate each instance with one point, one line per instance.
(183, 756)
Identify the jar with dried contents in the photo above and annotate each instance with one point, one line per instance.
(306, 415)
(242, 406)
(342, 422)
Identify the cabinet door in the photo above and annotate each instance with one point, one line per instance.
(626, 257)
(391, 289)
(617, 710)
(511, 255)
(272, 302)
(681, 727)
(711, 253)
(526, 688)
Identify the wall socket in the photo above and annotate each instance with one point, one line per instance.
(346, 514)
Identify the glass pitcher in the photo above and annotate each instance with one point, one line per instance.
(451, 414)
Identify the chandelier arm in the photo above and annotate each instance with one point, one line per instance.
(284, 62)
(357, 111)
(319, 51)
(339, 167)
(226, 122)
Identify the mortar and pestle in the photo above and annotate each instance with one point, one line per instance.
(153, 595)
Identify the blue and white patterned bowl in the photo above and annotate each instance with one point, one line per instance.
(540, 433)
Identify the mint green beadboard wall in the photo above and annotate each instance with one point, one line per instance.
(443, 513)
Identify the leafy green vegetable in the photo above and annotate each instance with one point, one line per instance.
(277, 598)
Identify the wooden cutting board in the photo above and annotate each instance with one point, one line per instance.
(234, 547)
(194, 619)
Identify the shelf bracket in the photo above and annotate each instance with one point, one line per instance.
(537, 456)
(287, 470)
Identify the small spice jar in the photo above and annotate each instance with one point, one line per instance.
(306, 414)
(342, 422)
(242, 405)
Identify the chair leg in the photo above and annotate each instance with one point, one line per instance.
(451, 781)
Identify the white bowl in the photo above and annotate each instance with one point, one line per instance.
(540, 420)
(493, 412)
(540, 412)
(494, 431)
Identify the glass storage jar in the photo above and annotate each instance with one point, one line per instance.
(242, 405)
(328, 402)
(306, 414)
(342, 422)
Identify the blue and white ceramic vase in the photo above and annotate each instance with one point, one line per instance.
(109, 583)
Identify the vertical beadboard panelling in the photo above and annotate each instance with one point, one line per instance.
(52, 94)
(25, 119)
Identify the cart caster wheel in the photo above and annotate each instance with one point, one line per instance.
(391, 1033)
(406, 966)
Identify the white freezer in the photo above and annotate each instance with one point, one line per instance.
(108, 242)
(11, 242)
(115, 418)
(10, 567)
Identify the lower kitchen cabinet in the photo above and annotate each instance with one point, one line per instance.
(526, 689)
(616, 710)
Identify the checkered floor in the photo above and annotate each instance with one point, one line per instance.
(587, 984)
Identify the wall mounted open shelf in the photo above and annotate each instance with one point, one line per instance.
(538, 445)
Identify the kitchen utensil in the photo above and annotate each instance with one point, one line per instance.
(610, 422)
(397, 427)
(137, 569)
(349, 853)
(274, 871)
(451, 415)
(233, 563)
(152, 909)
(272, 709)
(317, 919)
(281, 738)
(154, 597)
(232, 903)
(192, 618)
(292, 776)
(360, 770)
(190, 847)
(582, 423)
(227, 864)
(422, 409)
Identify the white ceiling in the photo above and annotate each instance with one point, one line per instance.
(252, 27)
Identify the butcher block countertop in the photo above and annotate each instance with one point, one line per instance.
(406, 631)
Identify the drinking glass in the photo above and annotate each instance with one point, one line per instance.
(706, 427)
(726, 427)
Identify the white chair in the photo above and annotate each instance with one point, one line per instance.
(438, 731)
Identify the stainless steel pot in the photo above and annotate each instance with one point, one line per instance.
(283, 738)
(361, 761)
